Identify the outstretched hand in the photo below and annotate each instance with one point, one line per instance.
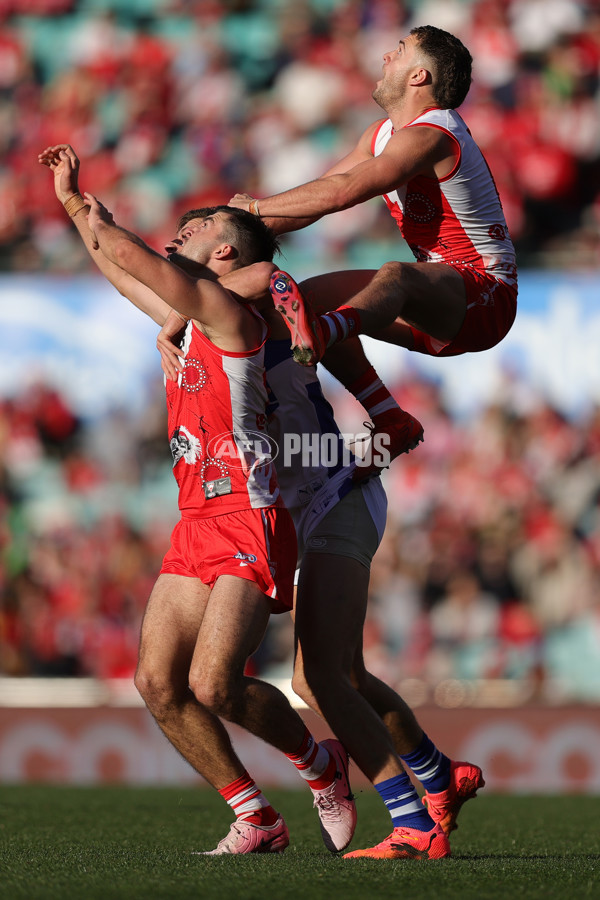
(98, 213)
(62, 160)
(170, 352)
(241, 201)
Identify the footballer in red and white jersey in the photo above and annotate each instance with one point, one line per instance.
(458, 219)
(222, 458)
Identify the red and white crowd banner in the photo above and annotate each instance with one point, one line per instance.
(524, 750)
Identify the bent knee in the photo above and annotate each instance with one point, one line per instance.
(393, 268)
(158, 693)
(301, 688)
(314, 682)
(213, 695)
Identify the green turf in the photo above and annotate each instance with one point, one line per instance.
(108, 843)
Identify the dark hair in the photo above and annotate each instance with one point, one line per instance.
(452, 75)
(253, 240)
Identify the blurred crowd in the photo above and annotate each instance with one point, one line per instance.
(173, 104)
(490, 565)
(489, 568)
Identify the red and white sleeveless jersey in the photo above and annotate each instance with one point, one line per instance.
(216, 414)
(458, 219)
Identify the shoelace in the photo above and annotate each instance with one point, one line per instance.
(226, 843)
(363, 440)
(229, 840)
(327, 803)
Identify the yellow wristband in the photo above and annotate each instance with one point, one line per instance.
(74, 204)
(253, 208)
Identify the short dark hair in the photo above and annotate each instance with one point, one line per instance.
(253, 240)
(452, 75)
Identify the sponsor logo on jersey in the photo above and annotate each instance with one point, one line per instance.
(217, 487)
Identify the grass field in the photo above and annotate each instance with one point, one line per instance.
(108, 843)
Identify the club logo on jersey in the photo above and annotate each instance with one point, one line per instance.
(497, 232)
(194, 376)
(185, 446)
(217, 488)
(243, 449)
(419, 208)
(213, 470)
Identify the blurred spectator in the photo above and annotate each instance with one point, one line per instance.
(489, 567)
(192, 102)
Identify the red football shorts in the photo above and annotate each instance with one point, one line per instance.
(491, 311)
(256, 544)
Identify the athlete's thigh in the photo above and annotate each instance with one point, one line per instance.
(171, 624)
(433, 299)
(333, 289)
(233, 625)
(331, 605)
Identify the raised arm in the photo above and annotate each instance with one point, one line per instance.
(195, 296)
(62, 160)
(360, 176)
(281, 224)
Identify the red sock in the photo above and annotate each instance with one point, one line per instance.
(247, 802)
(340, 323)
(314, 763)
(371, 392)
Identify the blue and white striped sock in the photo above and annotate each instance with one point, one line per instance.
(429, 765)
(403, 803)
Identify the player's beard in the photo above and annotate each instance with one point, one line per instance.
(387, 93)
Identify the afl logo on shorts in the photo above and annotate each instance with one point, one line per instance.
(249, 557)
(497, 232)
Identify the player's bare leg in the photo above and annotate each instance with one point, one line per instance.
(429, 296)
(332, 289)
(233, 626)
(171, 624)
(330, 616)
(169, 631)
(381, 727)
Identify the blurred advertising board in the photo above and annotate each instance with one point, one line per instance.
(527, 750)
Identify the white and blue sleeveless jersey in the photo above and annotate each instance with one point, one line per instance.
(314, 467)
